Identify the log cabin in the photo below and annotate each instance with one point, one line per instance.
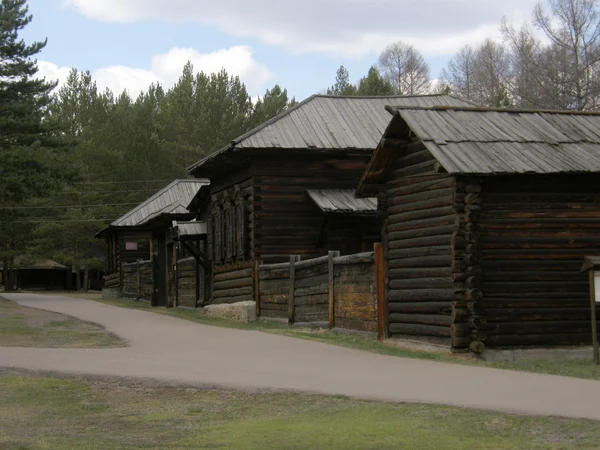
(144, 234)
(488, 215)
(272, 189)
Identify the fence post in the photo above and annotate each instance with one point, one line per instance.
(331, 292)
(138, 281)
(291, 299)
(380, 290)
(257, 286)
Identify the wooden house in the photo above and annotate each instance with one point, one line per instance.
(285, 188)
(143, 234)
(488, 215)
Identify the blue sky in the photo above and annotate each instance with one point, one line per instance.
(127, 44)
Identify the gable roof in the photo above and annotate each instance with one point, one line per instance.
(328, 123)
(342, 201)
(173, 199)
(488, 141)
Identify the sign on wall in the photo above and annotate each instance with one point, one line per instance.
(131, 246)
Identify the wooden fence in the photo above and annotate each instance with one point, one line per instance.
(188, 274)
(340, 290)
(137, 280)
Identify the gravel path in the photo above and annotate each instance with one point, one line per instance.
(174, 350)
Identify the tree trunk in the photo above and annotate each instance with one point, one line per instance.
(86, 278)
(5, 275)
(78, 278)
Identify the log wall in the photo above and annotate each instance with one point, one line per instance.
(137, 280)
(233, 283)
(419, 208)
(286, 220)
(534, 233)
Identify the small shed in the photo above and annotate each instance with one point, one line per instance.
(488, 214)
(144, 234)
(40, 274)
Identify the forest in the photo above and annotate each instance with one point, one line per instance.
(74, 158)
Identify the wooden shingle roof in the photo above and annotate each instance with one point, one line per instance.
(328, 123)
(173, 199)
(496, 141)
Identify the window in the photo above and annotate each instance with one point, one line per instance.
(241, 230)
(227, 231)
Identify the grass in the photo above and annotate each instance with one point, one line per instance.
(571, 368)
(42, 413)
(28, 327)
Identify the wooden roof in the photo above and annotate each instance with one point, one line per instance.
(488, 141)
(342, 201)
(328, 123)
(173, 199)
(190, 229)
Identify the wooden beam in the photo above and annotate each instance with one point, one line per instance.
(291, 303)
(256, 276)
(380, 291)
(196, 252)
(330, 273)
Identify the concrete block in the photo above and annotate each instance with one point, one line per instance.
(242, 311)
(111, 292)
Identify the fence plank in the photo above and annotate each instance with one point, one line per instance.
(378, 254)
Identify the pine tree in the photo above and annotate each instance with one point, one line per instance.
(342, 84)
(374, 84)
(30, 165)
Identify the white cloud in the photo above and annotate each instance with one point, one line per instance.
(349, 28)
(167, 68)
(52, 72)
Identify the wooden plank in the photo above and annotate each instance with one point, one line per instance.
(257, 286)
(330, 293)
(380, 291)
(593, 317)
(291, 303)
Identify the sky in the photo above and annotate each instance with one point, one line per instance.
(128, 44)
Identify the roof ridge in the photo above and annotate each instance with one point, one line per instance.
(394, 109)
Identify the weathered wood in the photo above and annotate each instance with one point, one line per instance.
(420, 244)
(291, 302)
(256, 286)
(330, 289)
(312, 290)
(231, 284)
(443, 250)
(425, 261)
(514, 340)
(417, 233)
(360, 258)
(546, 327)
(233, 275)
(421, 283)
(422, 295)
(422, 319)
(442, 308)
(233, 292)
(419, 330)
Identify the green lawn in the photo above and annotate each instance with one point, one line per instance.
(29, 327)
(53, 413)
